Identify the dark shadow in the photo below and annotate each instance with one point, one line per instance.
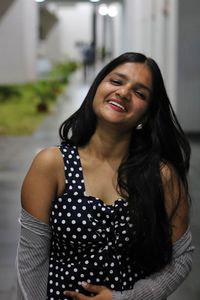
(4, 5)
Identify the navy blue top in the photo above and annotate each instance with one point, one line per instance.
(90, 239)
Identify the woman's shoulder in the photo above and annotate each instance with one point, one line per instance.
(168, 171)
(41, 183)
(48, 158)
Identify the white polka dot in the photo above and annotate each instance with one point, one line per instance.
(116, 278)
(112, 286)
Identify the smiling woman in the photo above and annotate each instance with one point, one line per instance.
(109, 208)
(126, 90)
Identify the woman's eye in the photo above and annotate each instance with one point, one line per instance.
(140, 95)
(115, 82)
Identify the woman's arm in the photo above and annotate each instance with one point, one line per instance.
(41, 185)
(32, 261)
(162, 284)
(158, 286)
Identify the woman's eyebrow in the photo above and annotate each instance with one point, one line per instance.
(138, 85)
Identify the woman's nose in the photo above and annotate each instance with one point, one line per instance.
(123, 92)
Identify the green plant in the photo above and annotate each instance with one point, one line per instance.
(45, 91)
(7, 91)
(61, 72)
(23, 106)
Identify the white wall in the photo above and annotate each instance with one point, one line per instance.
(118, 31)
(74, 25)
(150, 27)
(114, 31)
(18, 40)
(189, 65)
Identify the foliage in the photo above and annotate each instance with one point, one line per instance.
(23, 106)
(7, 91)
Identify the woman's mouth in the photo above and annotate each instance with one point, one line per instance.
(117, 106)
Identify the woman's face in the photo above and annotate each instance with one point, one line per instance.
(124, 95)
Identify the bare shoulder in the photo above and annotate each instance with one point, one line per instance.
(41, 183)
(167, 171)
(47, 158)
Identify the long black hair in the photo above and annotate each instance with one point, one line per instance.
(160, 142)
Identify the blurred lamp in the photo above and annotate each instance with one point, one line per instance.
(103, 10)
(39, 0)
(110, 10)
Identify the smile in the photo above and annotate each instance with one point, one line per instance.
(118, 106)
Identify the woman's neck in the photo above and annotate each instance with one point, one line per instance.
(108, 144)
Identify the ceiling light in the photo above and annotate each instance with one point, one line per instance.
(103, 9)
(39, 0)
(94, 0)
(112, 11)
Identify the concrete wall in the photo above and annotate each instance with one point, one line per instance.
(189, 64)
(18, 40)
(150, 27)
(74, 25)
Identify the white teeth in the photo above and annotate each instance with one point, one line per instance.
(117, 104)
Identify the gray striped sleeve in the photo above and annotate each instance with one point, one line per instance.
(32, 261)
(162, 284)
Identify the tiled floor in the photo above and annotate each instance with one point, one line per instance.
(16, 154)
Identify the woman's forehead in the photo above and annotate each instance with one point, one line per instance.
(133, 71)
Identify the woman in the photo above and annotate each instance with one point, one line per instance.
(107, 212)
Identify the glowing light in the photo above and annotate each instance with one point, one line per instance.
(110, 10)
(103, 10)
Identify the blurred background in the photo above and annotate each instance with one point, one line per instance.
(50, 52)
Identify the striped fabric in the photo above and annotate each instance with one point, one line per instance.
(32, 264)
(32, 261)
(162, 284)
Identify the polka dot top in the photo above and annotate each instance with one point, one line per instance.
(90, 239)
